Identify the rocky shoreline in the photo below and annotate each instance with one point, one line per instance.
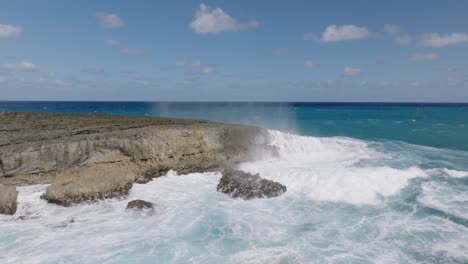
(86, 157)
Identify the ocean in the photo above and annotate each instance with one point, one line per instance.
(367, 183)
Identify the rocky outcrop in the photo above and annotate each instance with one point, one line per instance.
(8, 196)
(90, 184)
(140, 205)
(46, 144)
(239, 184)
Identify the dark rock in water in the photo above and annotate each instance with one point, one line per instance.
(139, 204)
(8, 196)
(239, 184)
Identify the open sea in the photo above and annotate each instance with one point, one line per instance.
(367, 183)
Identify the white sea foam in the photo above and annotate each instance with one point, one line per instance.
(452, 200)
(320, 219)
(455, 173)
(324, 169)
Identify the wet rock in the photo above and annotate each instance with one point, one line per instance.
(139, 204)
(8, 196)
(239, 184)
(90, 184)
(151, 173)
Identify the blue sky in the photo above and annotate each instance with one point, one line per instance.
(234, 50)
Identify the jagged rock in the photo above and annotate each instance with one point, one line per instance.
(239, 184)
(8, 196)
(46, 144)
(90, 184)
(151, 173)
(156, 172)
(139, 204)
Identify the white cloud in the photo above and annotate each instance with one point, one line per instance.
(132, 52)
(3, 78)
(208, 70)
(310, 64)
(423, 57)
(112, 42)
(109, 20)
(349, 71)
(440, 40)
(404, 39)
(20, 66)
(9, 31)
(188, 63)
(215, 21)
(335, 33)
(392, 29)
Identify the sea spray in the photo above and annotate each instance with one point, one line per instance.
(346, 202)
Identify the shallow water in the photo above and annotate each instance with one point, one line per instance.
(348, 201)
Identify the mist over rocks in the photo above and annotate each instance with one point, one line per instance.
(8, 199)
(239, 184)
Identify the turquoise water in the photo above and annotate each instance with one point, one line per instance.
(367, 183)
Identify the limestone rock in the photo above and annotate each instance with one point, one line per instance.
(90, 184)
(8, 196)
(140, 205)
(45, 144)
(239, 184)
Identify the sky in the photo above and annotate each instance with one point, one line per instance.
(243, 50)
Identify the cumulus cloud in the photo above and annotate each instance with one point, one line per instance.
(109, 20)
(349, 71)
(112, 42)
(335, 33)
(132, 52)
(20, 66)
(392, 29)
(9, 31)
(213, 21)
(442, 40)
(404, 39)
(188, 63)
(310, 64)
(423, 57)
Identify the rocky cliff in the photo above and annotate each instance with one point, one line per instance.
(43, 144)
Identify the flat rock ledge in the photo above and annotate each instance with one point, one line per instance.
(239, 184)
(139, 205)
(8, 202)
(89, 185)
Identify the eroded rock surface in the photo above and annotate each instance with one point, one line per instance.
(35, 147)
(8, 202)
(239, 184)
(90, 184)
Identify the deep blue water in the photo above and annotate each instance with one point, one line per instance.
(428, 124)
